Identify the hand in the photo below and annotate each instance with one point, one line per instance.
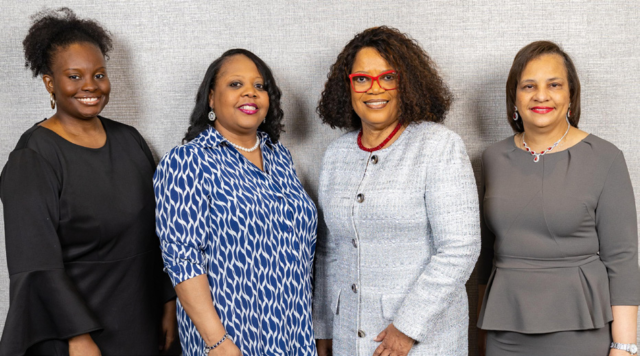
(227, 348)
(83, 345)
(482, 342)
(394, 342)
(169, 326)
(325, 347)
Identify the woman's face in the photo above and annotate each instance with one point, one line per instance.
(239, 99)
(377, 108)
(79, 81)
(542, 96)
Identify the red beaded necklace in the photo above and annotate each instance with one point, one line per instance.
(393, 133)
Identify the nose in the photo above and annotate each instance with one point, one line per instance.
(375, 87)
(250, 91)
(541, 95)
(89, 84)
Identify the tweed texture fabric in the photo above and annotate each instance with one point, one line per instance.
(163, 47)
(402, 236)
(253, 234)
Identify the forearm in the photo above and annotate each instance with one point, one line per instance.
(195, 297)
(624, 325)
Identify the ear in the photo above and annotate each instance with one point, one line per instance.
(48, 82)
(211, 93)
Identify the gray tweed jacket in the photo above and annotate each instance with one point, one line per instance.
(398, 238)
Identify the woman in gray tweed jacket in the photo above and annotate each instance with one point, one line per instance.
(400, 232)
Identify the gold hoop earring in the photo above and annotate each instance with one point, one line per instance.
(52, 99)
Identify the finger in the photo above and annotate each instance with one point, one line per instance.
(381, 336)
(168, 341)
(386, 352)
(379, 350)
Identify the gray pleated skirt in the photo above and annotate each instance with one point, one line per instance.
(565, 343)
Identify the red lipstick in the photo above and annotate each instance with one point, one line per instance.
(541, 109)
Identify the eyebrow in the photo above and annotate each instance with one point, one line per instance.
(366, 72)
(101, 68)
(549, 80)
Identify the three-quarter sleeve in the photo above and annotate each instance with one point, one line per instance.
(44, 302)
(181, 213)
(485, 261)
(325, 288)
(451, 199)
(616, 223)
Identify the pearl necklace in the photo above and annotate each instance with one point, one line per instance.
(536, 156)
(247, 149)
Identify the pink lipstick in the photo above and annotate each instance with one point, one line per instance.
(249, 109)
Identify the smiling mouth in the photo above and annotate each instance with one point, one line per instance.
(541, 109)
(89, 100)
(249, 109)
(376, 104)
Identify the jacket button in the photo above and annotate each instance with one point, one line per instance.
(374, 159)
(361, 333)
(354, 288)
(360, 198)
(354, 243)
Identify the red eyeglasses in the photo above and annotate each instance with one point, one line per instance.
(361, 82)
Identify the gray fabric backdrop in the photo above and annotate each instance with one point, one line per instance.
(162, 49)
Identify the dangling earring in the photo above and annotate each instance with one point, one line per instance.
(569, 113)
(264, 121)
(212, 116)
(515, 114)
(52, 99)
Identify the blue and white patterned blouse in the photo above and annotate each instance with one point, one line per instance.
(252, 232)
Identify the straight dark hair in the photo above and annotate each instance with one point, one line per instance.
(199, 120)
(528, 53)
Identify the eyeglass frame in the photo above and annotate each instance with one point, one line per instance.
(373, 79)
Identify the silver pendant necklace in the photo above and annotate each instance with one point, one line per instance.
(536, 155)
(238, 147)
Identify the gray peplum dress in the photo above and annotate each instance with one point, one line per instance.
(562, 235)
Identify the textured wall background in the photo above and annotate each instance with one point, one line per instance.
(163, 47)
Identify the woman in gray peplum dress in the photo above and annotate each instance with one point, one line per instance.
(560, 224)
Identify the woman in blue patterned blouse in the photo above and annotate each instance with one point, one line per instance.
(237, 229)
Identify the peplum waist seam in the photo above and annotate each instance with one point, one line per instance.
(535, 299)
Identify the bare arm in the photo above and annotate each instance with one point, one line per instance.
(624, 326)
(195, 297)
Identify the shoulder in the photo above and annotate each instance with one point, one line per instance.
(117, 128)
(346, 141)
(601, 148)
(433, 135)
(499, 148)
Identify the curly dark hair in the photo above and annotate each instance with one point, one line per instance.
(55, 29)
(423, 94)
(199, 120)
(528, 53)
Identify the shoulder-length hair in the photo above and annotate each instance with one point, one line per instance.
(423, 94)
(199, 120)
(528, 53)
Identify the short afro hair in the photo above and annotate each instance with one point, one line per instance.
(423, 94)
(55, 29)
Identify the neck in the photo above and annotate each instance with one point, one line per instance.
(78, 127)
(243, 139)
(541, 138)
(372, 136)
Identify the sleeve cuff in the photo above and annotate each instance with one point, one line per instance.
(182, 271)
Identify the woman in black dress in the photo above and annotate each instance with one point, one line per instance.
(84, 264)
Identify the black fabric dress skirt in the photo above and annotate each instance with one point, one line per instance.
(81, 246)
